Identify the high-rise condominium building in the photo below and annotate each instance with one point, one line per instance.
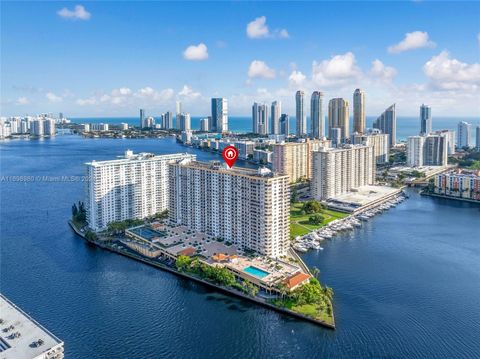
(184, 124)
(260, 118)
(130, 188)
(378, 140)
(246, 207)
(450, 135)
(464, 134)
(142, 118)
(430, 150)
(301, 116)
(316, 114)
(276, 110)
(415, 145)
(295, 158)
(204, 124)
(338, 117)
(219, 122)
(284, 124)
(178, 111)
(338, 171)
(37, 127)
(336, 136)
(49, 127)
(425, 120)
(167, 120)
(435, 152)
(359, 114)
(387, 123)
(478, 138)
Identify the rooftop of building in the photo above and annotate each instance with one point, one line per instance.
(217, 166)
(21, 335)
(360, 197)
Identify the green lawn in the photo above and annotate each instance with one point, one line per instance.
(310, 310)
(299, 224)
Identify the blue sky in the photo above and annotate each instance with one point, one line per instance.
(111, 58)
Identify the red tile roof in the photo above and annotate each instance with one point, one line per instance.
(296, 279)
(189, 251)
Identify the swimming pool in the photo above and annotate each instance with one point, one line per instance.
(255, 272)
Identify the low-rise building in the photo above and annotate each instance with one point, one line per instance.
(459, 183)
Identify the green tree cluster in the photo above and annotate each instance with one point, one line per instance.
(312, 206)
(79, 213)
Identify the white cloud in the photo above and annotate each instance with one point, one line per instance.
(339, 70)
(261, 70)
(296, 78)
(122, 91)
(413, 40)
(51, 97)
(381, 72)
(258, 29)
(86, 101)
(446, 73)
(22, 101)
(188, 93)
(196, 52)
(78, 13)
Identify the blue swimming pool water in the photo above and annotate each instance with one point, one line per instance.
(255, 272)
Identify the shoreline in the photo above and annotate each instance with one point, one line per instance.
(230, 291)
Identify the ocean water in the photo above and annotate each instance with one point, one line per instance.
(406, 283)
(406, 126)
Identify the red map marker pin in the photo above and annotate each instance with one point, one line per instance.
(230, 155)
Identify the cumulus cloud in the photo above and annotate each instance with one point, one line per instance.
(122, 91)
(86, 101)
(296, 78)
(188, 93)
(413, 40)
(381, 72)
(78, 13)
(51, 97)
(337, 71)
(196, 52)
(125, 96)
(22, 101)
(259, 69)
(258, 29)
(446, 73)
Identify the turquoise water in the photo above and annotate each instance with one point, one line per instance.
(256, 272)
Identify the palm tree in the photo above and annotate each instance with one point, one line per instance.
(328, 292)
(316, 272)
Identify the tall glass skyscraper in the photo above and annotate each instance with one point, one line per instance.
(276, 110)
(301, 117)
(359, 111)
(338, 117)
(425, 120)
(219, 121)
(387, 123)
(316, 114)
(284, 124)
(260, 118)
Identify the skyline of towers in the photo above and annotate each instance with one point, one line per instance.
(301, 118)
(387, 123)
(219, 119)
(425, 120)
(359, 116)
(185, 123)
(276, 110)
(260, 118)
(338, 117)
(316, 114)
